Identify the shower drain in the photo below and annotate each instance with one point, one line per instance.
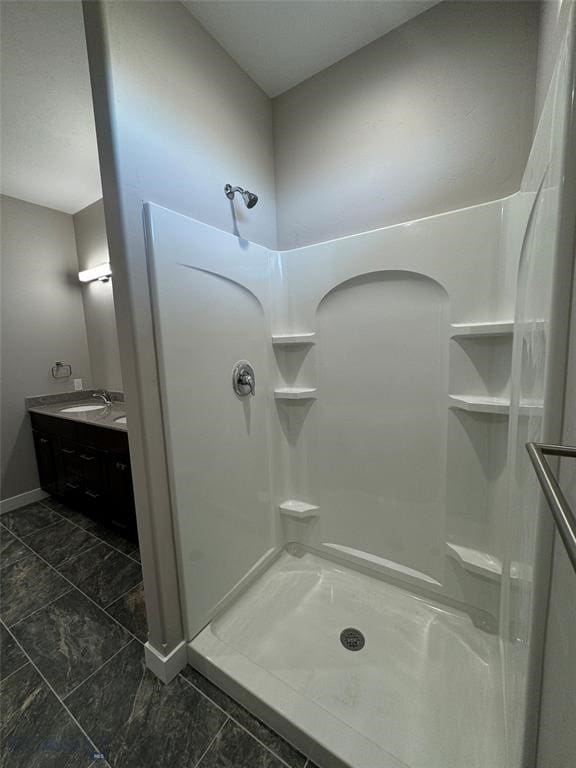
(352, 639)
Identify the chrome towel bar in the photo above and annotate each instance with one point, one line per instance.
(561, 511)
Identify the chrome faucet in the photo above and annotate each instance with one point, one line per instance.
(104, 395)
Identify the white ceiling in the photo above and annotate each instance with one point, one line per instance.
(49, 154)
(280, 43)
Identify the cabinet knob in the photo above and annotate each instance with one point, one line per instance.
(121, 467)
(72, 486)
(68, 450)
(84, 457)
(43, 440)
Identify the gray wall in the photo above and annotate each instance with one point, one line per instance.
(42, 321)
(98, 298)
(191, 120)
(434, 116)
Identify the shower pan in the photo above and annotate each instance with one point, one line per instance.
(339, 418)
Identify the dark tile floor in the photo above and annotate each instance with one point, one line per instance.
(75, 689)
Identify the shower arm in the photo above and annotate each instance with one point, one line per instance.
(562, 513)
(231, 191)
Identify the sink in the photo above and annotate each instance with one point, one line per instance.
(81, 408)
(120, 420)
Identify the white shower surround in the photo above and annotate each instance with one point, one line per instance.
(382, 364)
(219, 299)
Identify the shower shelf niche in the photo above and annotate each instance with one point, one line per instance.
(301, 510)
(471, 330)
(480, 404)
(291, 339)
(475, 561)
(295, 393)
(496, 405)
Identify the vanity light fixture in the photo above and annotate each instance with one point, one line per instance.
(102, 272)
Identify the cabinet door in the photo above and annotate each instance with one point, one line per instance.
(94, 476)
(70, 475)
(46, 446)
(123, 514)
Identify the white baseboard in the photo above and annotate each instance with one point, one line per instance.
(15, 502)
(166, 667)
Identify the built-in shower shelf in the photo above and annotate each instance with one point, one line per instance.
(489, 566)
(480, 404)
(497, 405)
(288, 339)
(470, 330)
(295, 393)
(475, 561)
(301, 510)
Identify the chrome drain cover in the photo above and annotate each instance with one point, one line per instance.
(352, 639)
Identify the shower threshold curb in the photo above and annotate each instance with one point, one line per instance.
(285, 710)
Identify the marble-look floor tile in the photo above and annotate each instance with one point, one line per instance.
(11, 656)
(114, 539)
(36, 730)
(29, 519)
(102, 573)
(138, 721)
(70, 639)
(27, 585)
(130, 611)
(11, 549)
(59, 542)
(233, 747)
(257, 728)
(70, 514)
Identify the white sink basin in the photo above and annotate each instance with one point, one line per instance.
(120, 420)
(81, 408)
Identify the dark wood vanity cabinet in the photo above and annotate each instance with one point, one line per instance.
(46, 452)
(87, 467)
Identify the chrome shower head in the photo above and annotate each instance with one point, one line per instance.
(250, 199)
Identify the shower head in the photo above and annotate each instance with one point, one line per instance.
(250, 199)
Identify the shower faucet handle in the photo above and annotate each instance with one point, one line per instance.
(248, 381)
(243, 378)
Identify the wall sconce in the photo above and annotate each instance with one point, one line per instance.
(102, 272)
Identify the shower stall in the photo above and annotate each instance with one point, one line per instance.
(361, 553)
(357, 525)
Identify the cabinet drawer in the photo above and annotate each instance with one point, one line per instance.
(53, 425)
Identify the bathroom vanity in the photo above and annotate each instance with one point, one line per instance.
(83, 459)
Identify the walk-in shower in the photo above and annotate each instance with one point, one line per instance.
(336, 508)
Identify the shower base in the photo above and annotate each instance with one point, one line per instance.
(423, 691)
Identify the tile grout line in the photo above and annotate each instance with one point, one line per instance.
(212, 740)
(70, 715)
(14, 670)
(37, 610)
(5, 514)
(22, 540)
(30, 550)
(63, 517)
(130, 589)
(97, 670)
(74, 587)
(243, 727)
(96, 538)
